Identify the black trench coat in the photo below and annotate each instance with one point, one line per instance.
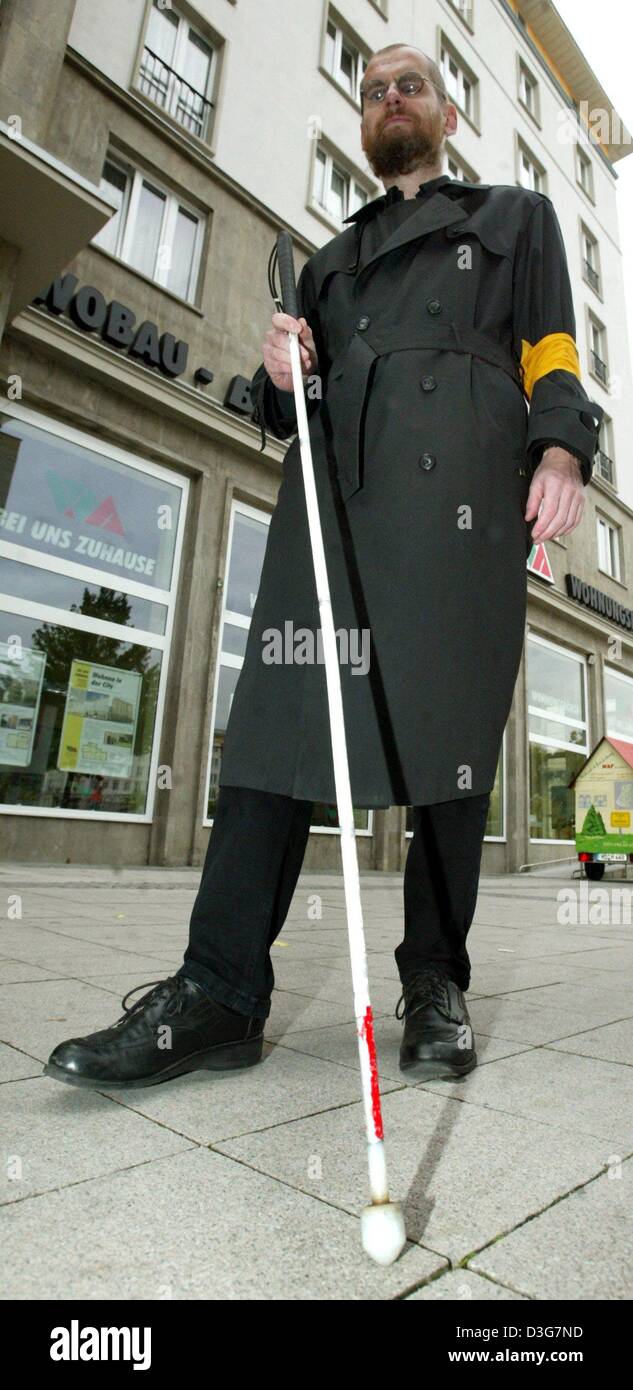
(423, 450)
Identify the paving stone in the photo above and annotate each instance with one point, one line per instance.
(54, 1135)
(15, 1065)
(196, 1225)
(612, 1043)
(575, 1093)
(580, 1248)
(464, 1174)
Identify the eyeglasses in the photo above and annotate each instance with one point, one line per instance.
(408, 84)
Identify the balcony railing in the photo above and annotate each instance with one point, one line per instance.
(604, 466)
(591, 275)
(165, 86)
(600, 368)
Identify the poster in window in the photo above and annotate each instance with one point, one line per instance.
(100, 718)
(21, 680)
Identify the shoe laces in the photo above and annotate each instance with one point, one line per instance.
(428, 986)
(176, 985)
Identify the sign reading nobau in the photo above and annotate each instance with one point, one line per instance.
(116, 324)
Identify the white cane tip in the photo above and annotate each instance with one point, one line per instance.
(382, 1232)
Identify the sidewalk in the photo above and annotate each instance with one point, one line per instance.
(517, 1183)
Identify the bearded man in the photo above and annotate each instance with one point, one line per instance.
(429, 324)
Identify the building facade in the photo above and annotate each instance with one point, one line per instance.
(146, 176)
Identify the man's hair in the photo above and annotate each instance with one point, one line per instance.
(432, 70)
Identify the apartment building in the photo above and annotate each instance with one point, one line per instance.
(146, 174)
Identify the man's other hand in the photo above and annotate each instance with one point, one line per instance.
(557, 489)
(277, 350)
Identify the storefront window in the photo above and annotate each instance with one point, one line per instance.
(558, 736)
(89, 545)
(618, 704)
(247, 546)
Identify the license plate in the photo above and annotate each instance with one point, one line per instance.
(610, 857)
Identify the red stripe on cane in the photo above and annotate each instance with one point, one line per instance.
(367, 1033)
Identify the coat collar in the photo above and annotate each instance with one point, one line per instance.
(448, 205)
(377, 204)
(437, 211)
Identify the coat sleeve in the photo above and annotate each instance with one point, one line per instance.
(544, 333)
(272, 407)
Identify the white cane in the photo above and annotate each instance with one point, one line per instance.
(382, 1223)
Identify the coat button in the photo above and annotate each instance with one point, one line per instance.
(363, 322)
(427, 460)
(434, 306)
(428, 383)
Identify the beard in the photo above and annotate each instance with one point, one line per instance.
(400, 149)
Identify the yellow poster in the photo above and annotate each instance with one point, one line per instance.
(100, 719)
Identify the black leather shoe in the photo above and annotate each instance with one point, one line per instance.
(175, 1028)
(438, 1040)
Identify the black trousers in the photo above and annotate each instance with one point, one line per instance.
(253, 860)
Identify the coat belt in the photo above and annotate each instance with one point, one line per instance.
(350, 373)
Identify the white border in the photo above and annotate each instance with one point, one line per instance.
(133, 636)
(542, 740)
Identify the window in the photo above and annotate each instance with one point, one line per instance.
(464, 9)
(598, 361)
(177, 69)
(90, 542)
(584, 171)
(618, 704)
(458, 168)
(557, 735)
(603, 464)
(343, 60)
(152, 230)
(608, 548)
(334, 190)
(461, 84)
(248, 534)
(528, 90)
(590, 260)
(530, 173)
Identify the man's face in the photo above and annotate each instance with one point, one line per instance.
(402, 132)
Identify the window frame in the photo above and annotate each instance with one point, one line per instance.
(593, 322)
(135, 177)
(343, 35)
(548, 740)
(522, 148)
(467, 19)
(613, 546)
(333, 160)
(451, 154)
(211, 41)
(584, 161)
(81, 622)
(586, 235)
(524, 70)
(445, 45)
(625, 676)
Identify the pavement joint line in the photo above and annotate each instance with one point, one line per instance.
(95, 1177)
(554, 1126)
(586, 1056)
(464, 1263)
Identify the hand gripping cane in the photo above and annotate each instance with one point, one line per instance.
(382, 1223)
